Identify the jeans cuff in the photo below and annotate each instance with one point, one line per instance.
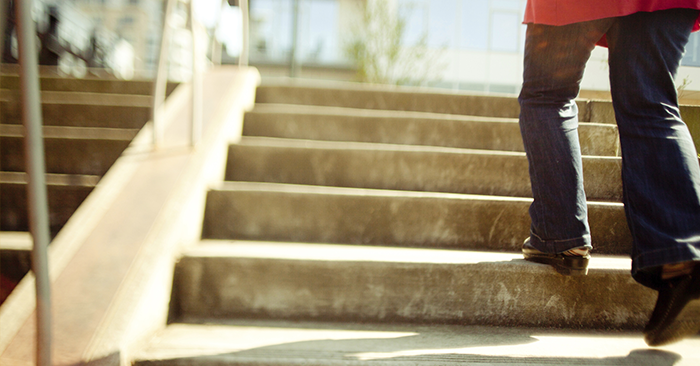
(559, 246)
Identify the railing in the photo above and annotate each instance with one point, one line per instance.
(34, 145)
(162, 73)
(34, 157)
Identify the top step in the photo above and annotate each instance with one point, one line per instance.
(368, 96)
(364, 96)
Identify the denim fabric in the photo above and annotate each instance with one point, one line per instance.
(661, 175)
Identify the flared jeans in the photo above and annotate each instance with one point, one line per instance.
(660, 170)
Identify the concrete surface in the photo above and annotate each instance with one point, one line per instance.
(87, 84)
(80, 109)
(403, 167)
(72, 155)
(298, 213)
(300, 343)
(229, 280)
(365, 96)
(409, 128)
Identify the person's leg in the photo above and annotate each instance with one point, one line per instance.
(660, 171)
(555, 57)
(661, 175)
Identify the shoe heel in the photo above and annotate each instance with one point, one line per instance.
(574, 266)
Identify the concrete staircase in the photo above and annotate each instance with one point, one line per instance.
(360, 224)
(87, 125)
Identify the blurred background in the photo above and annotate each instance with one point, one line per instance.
(471, 45)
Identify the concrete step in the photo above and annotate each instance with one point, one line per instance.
(351, 344)
(248, 280)
(69, 150)
(301, 213)
(365, 96)
(402, 167)
(79, 109)
(65, 194)
(409, 128)
(384, 97)
(89, 85)
(15, 259)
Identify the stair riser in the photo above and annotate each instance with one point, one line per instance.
(483, 224)
(603, 112)
(82, 115)
(64, 156)
(499, 293)
(358, 97)
(504, 136)
(62, 200)
(133, 87)
(485, 173)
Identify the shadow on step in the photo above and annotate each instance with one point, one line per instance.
(403, 345)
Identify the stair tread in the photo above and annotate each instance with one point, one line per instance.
(70, 132)
(313, 343)
(16, 240)
(376, 146)
(304, 109)
(312, 189)
(357, 253)
(83, 98)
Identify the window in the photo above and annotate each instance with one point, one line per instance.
(692, 51)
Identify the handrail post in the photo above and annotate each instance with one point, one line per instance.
(196, 125)
(294, 66)
(34, 157)
(162, 73)
(245, 47)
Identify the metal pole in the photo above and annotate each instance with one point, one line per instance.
(162, 73)
(243, 60)
(294, 66)
(3, 22)
(196, 125)
(34, 156)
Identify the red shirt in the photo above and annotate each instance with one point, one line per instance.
(562, 12)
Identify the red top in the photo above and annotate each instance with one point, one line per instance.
(562, 12)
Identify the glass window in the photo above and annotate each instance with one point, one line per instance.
(442, 23)
(474, 24)
(692, 51)
(320, 43)
(504, 31)
(270, 29)
(414, 13)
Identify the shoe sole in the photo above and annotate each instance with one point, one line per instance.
(676, 324)
(686, 324)
(565, 265)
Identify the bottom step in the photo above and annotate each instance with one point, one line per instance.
(292, 343)
(351, 283)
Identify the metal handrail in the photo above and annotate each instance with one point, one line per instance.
(162, 73)
(243, 58)
(37, 192)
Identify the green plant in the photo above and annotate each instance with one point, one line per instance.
(683, 85)
(378, 51)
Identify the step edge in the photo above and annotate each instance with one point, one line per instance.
(213, 248)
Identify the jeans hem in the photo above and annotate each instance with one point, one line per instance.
(559, 246)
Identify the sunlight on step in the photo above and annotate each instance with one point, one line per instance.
(193, 340)
(602, 346)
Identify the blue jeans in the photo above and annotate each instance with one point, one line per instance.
(660, 171)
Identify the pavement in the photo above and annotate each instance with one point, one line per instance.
(295, 343)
